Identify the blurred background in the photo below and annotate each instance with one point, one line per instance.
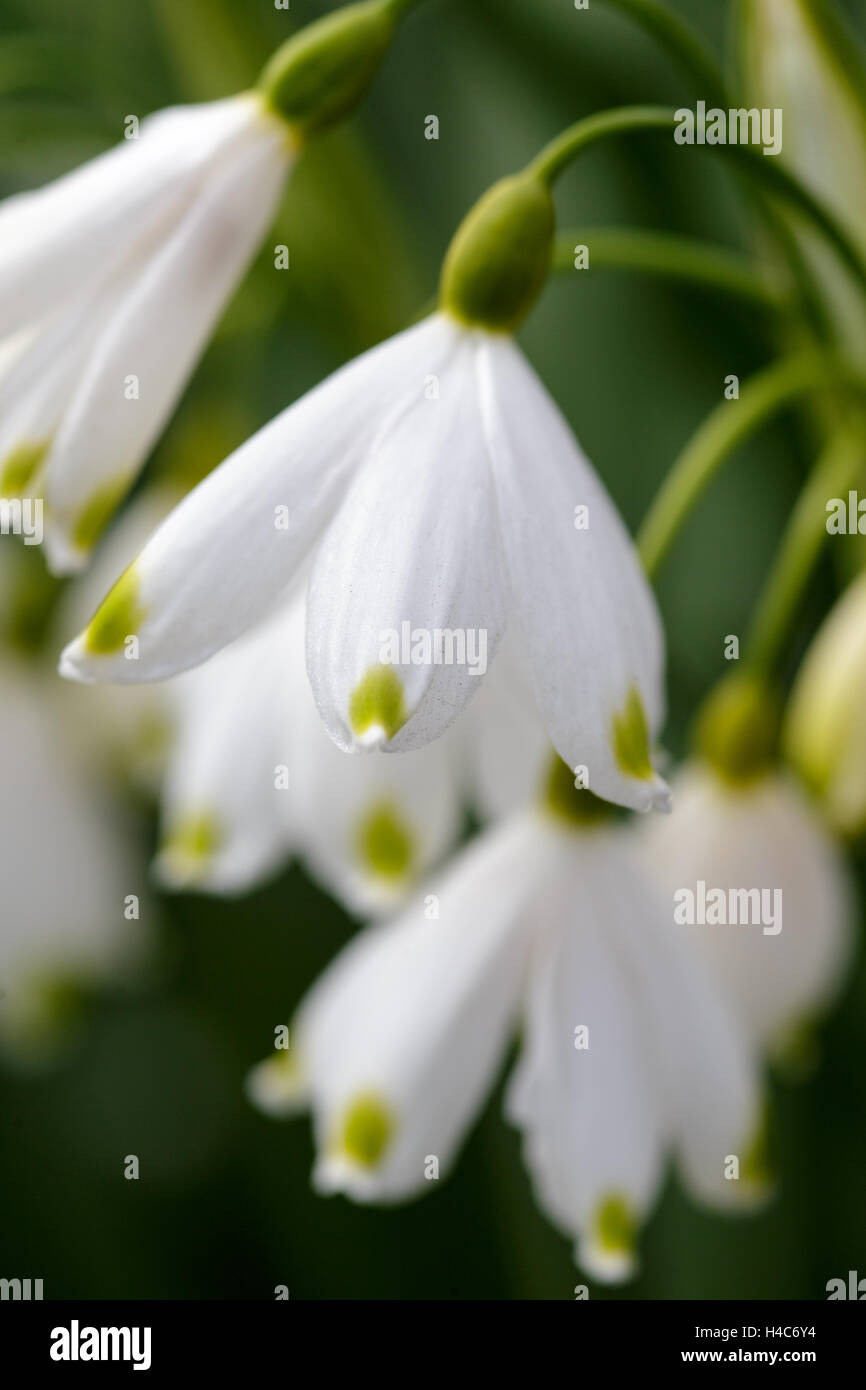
(153, 1064)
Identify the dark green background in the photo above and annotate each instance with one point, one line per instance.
(223, 1208)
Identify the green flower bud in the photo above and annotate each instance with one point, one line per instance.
(323, 72)
(500, 257)
(824, 735)
(736, 730)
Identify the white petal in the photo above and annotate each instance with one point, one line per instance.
(508, 749)
(155, 335)
(761, 836)
(225, 815)
(75, 229)
(586, 615)
(68, 861)
(413, 552)
(224, 558)
(401, 1038)
(593, 1117)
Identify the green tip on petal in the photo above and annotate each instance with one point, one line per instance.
(568, 802)
(96, 514)
(194, 839)
(377, 704)
(736, 730)
(615, 1227)
(119, 617)
(20, 467)
(630, 739)
(756, 1169)
(500, 257)
(385, 843)
(367, 1131)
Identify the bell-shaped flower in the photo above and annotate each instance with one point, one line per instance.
(111, 281)
(825, 725)
(253, 778)
(78, 921)
(751, 876)
(440, 494)
(629, 1054)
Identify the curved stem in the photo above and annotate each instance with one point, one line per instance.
(681, 41)
(723, 430)
(397, 8)
(836, 470)
(675, 258)
(767, 173)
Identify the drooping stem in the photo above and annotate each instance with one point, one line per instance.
(732, 422)
(681, 41)
(836, 470)
(768, 174)
(672, 257)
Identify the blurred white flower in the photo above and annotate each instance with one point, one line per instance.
(111, 281)
(825, 726)
(253, 777)
(629, 1052)
(438, 484)
(69, 871)
(759, 833)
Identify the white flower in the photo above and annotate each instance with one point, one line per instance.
(437, 484)
(397, 1045)
(68, 870)
(253, 778)
(111, 281)
(759, 834)
(825, 727)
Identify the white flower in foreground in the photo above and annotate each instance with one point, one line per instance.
(825, 726)
(437, 483)
(629, 1053)
(253, 777)
(111, 280)
(779, 971)
(68, 871)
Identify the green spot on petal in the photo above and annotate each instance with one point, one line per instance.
(630, 737)
(119, 617)
(19, 467)
(367, 1130)
(377, 702)
(574, 804)
(385, 843)
(93, 519)
(615, 1226)
(193, 840)
(756, 1169)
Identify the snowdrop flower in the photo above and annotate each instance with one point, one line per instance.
(742, 823)
(825, 726)
(628, 1051)
(497, 515)
(113, 277)
(74, 923)
(253, 777)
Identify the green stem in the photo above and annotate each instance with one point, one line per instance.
(398, 8)
(675, 258)
(767, 173)
(723, 430)
(681, 41)
(838, 467)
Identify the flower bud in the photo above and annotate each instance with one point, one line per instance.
(500, 256)
(323, 72)
(824, 735)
